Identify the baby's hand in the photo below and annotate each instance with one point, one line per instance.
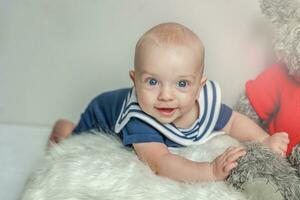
(278, 142)
(224, 163)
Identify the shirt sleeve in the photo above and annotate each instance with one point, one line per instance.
(137, 131)
(263, 92)
(224, 116)
(93, 118)
(102, 112)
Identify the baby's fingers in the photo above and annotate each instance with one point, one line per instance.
(285, 140)
(230, 166)
(233, 156)
(284, 137)
(282, 150)
(235, 151)
(283, 146)
(232, 150)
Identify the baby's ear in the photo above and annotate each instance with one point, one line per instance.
(132, 75)
(203, 80)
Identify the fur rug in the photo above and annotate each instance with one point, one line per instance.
(99, 167)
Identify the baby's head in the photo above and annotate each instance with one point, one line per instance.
(168, 73)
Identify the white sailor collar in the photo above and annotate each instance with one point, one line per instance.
(201, 130)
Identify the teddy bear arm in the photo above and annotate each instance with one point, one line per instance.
(244, 107)
(270, 174)
(294, 158)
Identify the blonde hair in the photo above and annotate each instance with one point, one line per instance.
(168, 35)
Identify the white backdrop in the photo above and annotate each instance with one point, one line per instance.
(55, 55)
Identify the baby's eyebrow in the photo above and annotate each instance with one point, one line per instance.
(145, 73)
(187, 77)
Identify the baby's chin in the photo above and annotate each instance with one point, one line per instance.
(165, 121)
(160, 119)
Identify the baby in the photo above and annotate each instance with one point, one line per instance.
(172, 104)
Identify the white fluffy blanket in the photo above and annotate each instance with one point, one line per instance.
(98, 167)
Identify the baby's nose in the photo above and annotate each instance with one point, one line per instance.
(165, 94)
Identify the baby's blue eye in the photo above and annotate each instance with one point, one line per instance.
(182, 83)
(152, 82)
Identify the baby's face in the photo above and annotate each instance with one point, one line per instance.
(168, 82)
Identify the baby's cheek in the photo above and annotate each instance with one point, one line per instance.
(187, 103)
(145, 102)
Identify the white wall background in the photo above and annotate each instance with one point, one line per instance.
(55, 55)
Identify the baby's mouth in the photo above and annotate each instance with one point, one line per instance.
(166, 111)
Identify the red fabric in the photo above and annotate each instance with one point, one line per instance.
(275, 96)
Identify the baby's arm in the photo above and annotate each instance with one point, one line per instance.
(164, 163)
(61, 130)
(244, 129)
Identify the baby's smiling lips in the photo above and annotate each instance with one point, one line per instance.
(166, 111)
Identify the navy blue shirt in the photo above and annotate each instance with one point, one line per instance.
(104, 111)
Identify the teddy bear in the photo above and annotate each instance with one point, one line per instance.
(272, 100)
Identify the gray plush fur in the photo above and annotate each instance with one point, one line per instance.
(294, 159)
(259, 162)
(244, 106)
(280, 11)
(285, 17)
